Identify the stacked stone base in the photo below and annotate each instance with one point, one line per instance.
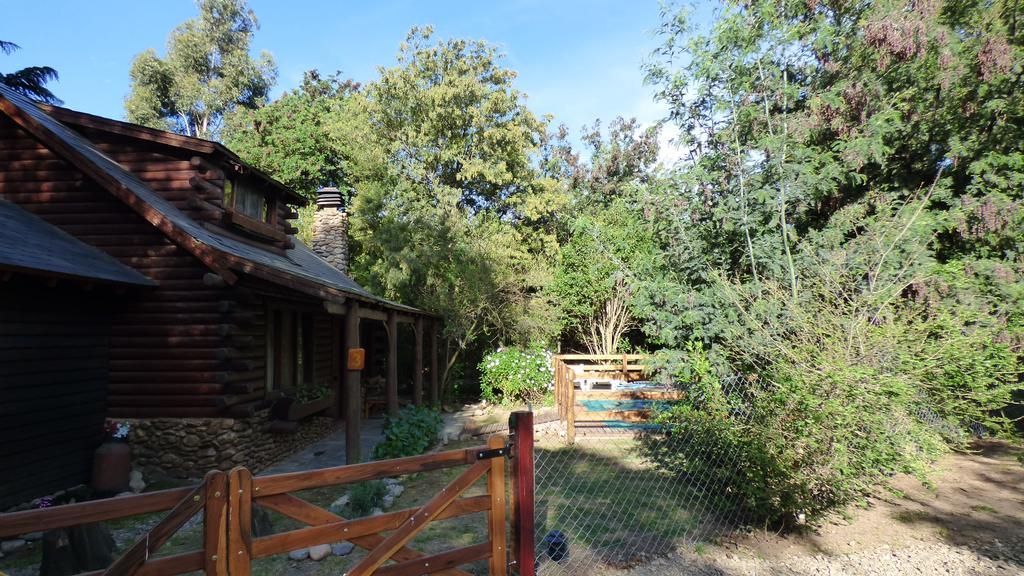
(190, 447)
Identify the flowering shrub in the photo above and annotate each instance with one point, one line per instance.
(511, 375)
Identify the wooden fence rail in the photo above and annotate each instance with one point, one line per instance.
(226, 500)
(569, 368)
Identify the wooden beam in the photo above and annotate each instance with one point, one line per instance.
(336, 307)
(434, 391)
(352, 384)
(417, 363)
(414, 525)
(392, 379)
(371, 314)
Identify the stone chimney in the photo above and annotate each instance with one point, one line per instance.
(330, 228)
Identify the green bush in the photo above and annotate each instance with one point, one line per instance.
(365, 496)
(511, 375)
(862, 373)
(412, 432)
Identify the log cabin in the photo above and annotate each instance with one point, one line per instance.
(155, 278)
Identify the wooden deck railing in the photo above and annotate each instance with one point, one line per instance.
(226, 500)
(571, 367)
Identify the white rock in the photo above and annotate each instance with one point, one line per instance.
(8, 546)
(376, 512)
(135, 482)
(396, 490)
(388, 500)
(391, 482)
(33, 536)
(320, 552)
(340, 503)
(342, 549)
(301, 554)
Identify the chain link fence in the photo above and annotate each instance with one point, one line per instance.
(608, 501)
(629, 491)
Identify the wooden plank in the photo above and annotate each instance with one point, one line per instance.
(348, 474)
(438, 562)
(435, 397)
(176, 564)
(215, 518)
(630, 394)
(521, 426)
(417, 363)
(352, 386)
(42, 519)
(392, 375)
(596, 357)
(239, 545)
(496, 516)
(415, 524)
(327, 527)
(152, 540)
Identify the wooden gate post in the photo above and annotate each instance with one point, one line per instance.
(520, 426)
(240, 522)
(496, 517)
(215, 524)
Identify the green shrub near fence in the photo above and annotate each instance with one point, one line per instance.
(413, 431)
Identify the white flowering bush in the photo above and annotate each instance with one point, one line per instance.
(511, 375)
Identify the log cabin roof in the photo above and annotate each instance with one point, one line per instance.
(31, 245)
(297, 268)
(145, 133)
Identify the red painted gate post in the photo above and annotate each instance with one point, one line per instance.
(520, 427)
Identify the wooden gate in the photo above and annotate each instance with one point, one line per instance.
(226, 500)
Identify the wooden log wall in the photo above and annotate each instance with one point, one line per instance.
(53, 386)
(193, 182)
(190, 347)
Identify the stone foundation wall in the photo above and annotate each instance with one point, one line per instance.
(189, 447)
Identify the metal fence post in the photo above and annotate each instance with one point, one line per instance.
(520, 426)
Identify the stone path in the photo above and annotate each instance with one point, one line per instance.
(330, 450)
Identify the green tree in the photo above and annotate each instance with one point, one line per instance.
(29, 81)
(316, 135)
(455, 229)
(206, 74)
(841, 228)
(609, 242)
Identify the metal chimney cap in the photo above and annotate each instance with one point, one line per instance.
(329, 197)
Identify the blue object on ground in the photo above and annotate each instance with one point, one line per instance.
(557, 545)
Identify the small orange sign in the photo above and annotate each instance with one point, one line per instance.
(356, 358)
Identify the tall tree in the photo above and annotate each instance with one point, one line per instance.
(608, 241)
(206, 74)
(793, 111)
(307, 138)
(29, 81)
(453, 231)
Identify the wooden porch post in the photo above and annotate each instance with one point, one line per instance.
(434, 393)
(417, 364)
(337, 351)
(353, 402)
(392, 382)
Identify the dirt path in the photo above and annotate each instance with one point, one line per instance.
(970, 523)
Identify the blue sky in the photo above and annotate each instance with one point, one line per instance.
(576, 60)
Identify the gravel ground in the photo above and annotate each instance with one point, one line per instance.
(923, 560)
(970, 523)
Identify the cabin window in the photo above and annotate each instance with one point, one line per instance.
(289, 353)
(245, 197)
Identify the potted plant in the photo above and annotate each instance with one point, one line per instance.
(305, 401)
(112, 461)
